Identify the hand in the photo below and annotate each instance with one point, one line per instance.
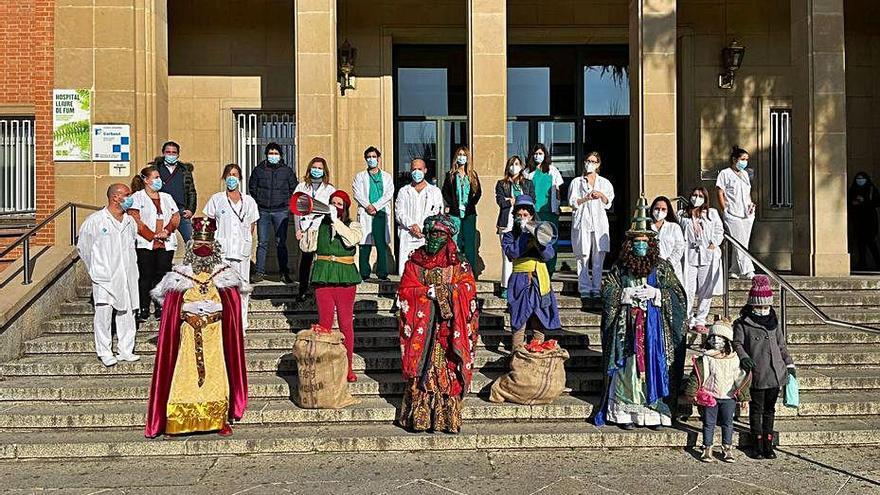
(595, 195)
(299, 235)
(792, 371)
(160, 235)
(711, 247)
(747, 363)
(187, 214)
(512, 201)
(371, 210)
(432, 293)
(415, 230)
(647, 292)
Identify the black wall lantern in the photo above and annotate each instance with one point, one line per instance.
(731, 59)
(347, 56)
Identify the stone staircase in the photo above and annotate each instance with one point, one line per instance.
(57, 400)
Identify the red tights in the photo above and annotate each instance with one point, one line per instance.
(338, 299)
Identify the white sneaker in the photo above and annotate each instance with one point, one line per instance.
(128, 357)
(749, 275)
(108, 360)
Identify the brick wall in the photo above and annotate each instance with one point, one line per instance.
(27, 66)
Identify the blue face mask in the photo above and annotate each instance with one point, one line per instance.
(274, 159)
(417, 176)
(640, 248)
(171, 159)
(742, 164)
(462, 159)
(861, 181)
(539, 158)
(316, 173)
(372, 162)
(127, 203)
(156, 184)
(232, 183)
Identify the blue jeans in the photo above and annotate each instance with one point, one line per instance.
(269, 221)
(185, 228)
(722, 414)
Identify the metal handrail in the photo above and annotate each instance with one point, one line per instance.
(785, 288)
(25, 239)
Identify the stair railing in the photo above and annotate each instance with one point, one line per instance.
(25, 239)
(785, 288)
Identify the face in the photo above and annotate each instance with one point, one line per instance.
(233, 173)
(523, 215)
(317, 165)
(153, 175)
(743, 157)
(372, 156)
(121, 194)
(171, 151)
(435, 242)
(539, 155)
(591, 164)
(203, 248)
(338, 203)
(418, 165)
(640, 246)
(661, 207)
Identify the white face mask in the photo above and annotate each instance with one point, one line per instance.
(539, 158)
(515, 169)
(462, 159)
(761, 311)
(659, 214)
(697, 201)
(591, 167)
(716, 342)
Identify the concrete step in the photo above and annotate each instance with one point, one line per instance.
(475, 435)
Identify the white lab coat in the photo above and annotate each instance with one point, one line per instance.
(557, 183)
(107, 248)
(413, 207)
(322, 194)
(737, 188)
(697, 253)
(144, 205)
(234, 222)
(590, 218)
(671, 240)
(361, 189)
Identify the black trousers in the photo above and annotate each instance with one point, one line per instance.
(762, 410)
(305, 272)
(153, 264)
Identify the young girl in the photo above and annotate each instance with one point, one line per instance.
(513, 185)
(760, 345)
(717, 372)
(590, 197)
(703, 234)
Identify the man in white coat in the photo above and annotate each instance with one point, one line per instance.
(107, 247)
(416, 201)
(373, 190)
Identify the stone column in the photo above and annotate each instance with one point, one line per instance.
(819, 244)
(316, 86)
(652, 42)
(487, 117)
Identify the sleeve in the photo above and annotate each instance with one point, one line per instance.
(500, 198)
(529, 189)
(438, 203)
(446, 190)
(291, 182)
(479, 194)
(717, 227)
(738, 339)
(387, 191)
(168, 203)
(677, 253)
(351, 234)
(210, 209)
(252, 181)
(142, 229)
(84, 243)
(608, 191)
(509, 246)
(721, 181)
(173, 223)
(189, 185)
(558, 181)
(357, 190)
(783, 349)
(253, 212)
(574, 194)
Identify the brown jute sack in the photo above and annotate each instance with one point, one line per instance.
(534, 378)
(322, 367)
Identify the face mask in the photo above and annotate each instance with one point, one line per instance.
(339, 212)
(659, 215)
(697, 201)
(274, 159)
(761, 311)
(156, 184)
(522, 222)
(539, 158)
(372, 162)
(127, 203)
(435, 244)
(316, 173)
(716, 342)
(640, 248)
(203, 251)
(232, 183)
(591, 167)
(462, 159)
(861, 181)
(417, 176)
(171, 159)
(742, 164)
(516, 169)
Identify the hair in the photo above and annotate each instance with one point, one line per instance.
(372, 149)
(545, 165)
(640, 266)
(735, 153)
(308, 178)
(114, 189)
(598, 157)
(468, 167)
(229, 168)
(139, 181)
(728, 346)
(701, 208)
(670, 211)
(273, 146)
(170, 143)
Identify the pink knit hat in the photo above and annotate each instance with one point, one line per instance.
(761, 293)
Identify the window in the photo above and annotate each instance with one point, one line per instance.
(780, 157)
(17, 165)
(422, 91)
(606, 90)
(528, 91)
(254, 129)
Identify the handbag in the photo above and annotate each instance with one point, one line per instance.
(703, 397)
(309, 241)
(792, 392)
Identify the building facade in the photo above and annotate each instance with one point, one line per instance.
(637, 80)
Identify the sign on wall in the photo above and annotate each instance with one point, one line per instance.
(71, 131)
(110, 142)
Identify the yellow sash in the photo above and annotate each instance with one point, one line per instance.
(536, 266)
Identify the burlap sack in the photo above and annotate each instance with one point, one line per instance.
(534, 378)
(322, 367)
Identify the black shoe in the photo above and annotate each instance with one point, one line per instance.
(768, 451)
(655, 427)
(143, 315)
(757, 447)
(158, 314)
(257, 278)
(626, 426)
(384, 278)
(301, 297)
(286, 278)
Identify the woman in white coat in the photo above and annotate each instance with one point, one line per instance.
(703, 235)
(669, 234)
(373, 190)
(734, 189)
(590, 197)
(236, 214)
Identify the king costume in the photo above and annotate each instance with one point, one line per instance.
(643, 323)
(438, 325)
(200, 376)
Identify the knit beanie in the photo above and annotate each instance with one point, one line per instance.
(761, 294)
(722, 328)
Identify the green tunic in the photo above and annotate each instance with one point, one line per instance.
(333, 272)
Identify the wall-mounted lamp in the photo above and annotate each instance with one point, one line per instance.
(347, 57)
(731, 59)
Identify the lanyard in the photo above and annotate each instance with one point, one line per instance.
(240, 213)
